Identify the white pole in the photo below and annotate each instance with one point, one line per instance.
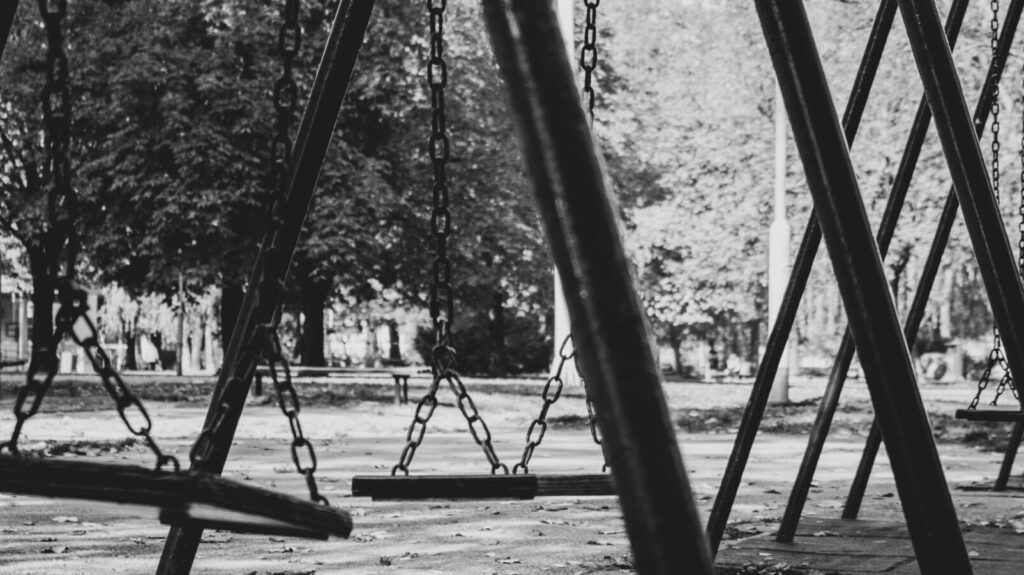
(778, 249)
(562, 323)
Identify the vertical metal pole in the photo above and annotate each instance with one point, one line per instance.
(844, 355)
(970, 176)
(778, 250)
(582, 229)
(802, 265)
(933, 261)
(927, 506)
(311, 144)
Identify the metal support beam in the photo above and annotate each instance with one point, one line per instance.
(610, 330)
(802, 265)
(984, 223)
(1011, 454)
(7, 12)
(901, 183)
(928, 508)
(970, 176)
(311, 144)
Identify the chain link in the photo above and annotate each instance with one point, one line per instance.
(588, 55)
(73, 302)
(551, 393)
(442, 291)
(265, 343)
(567, 351)
(996, 357)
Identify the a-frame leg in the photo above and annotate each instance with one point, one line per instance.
(928, 508)
(901, 183)
(802, 264)
(993, 252)
(7, 12)
(314, 136)
(1011, 454)
(611, 335)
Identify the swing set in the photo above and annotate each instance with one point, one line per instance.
(610, 339)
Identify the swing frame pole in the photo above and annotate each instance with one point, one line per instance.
(314, 136)
(612, 337)
(927, 505)
(801, 271)
(901, 184)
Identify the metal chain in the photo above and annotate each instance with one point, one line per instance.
(269, 292)
(552, 391)
(74, 309)
(442, 291)
(567, 351)
(996, 356)
(56, 105)
(588, 55)
(73, 302)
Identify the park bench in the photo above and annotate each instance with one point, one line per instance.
(400, 375)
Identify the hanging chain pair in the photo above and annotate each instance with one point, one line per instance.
(72, 302)
(442, 291)
(552, 391)
(996, 356)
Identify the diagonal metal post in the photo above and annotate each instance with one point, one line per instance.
(7, 12)
(608, 323)
(970, 176)
(901, 183)
(928, 508)
(802, 265)
(311, 144)
(933, 261)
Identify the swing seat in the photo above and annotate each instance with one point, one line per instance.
(185, 499)
(456, 487)
(1004, 415)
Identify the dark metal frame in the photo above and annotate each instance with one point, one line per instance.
(901, 183)
(801, 270)
(8, 11)
(927, 505)
(311, 144)
(608, 323)
(802, 264)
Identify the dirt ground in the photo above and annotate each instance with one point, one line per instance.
(364, 436)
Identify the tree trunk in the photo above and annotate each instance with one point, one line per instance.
(676, 341)
(231, 295)
(314, 299)
(497, 365)
(128, 336)
(43, 286)
(394, 349)
(755, 342)
(371, 353)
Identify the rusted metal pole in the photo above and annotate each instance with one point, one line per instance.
(311, 144)
(927, 505)
(802, 264)
(609, 326)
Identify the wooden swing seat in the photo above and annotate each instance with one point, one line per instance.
(185, 499)
(1004, 415)
(526, 486)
